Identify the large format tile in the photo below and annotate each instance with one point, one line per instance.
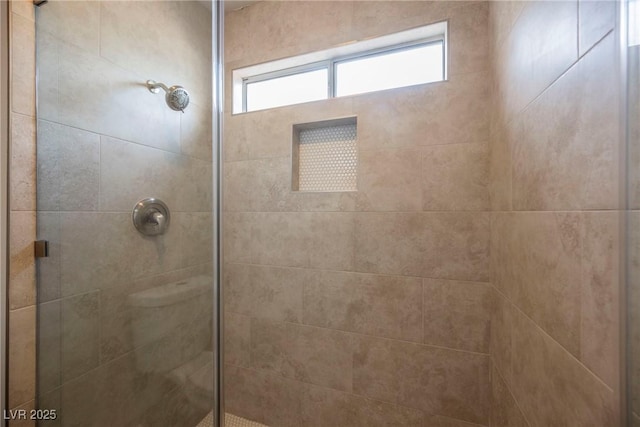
(468, 38)
(137, 37)
(536, 260)
(307, 239)
(552, 387)
(304, 353)
(599, 341)
(530, 59)
(22, 356)
(435, 380)
(287, 29)
(504, 409)
(68, 168)
(449, 112)
(237, 339)
(266, 292)
(23, 65)
(237, 236)
(96, 95)
(455, 177)
(115, 254)
(23, 163)
(80, 334)
(596, 19)
(571, 162)
(49, 342)
(323, 407)
(386, 306)
(451, 245)
(263, 396)
(74, 22)
(22, 263)
(389, 180)
(501, 335)
(457, 314)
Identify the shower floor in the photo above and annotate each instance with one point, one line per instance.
(230, 420)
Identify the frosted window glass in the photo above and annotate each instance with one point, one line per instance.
(399, 68)
(287, 90)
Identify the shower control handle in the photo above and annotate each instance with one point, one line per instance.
(156, 218)
(151, 217)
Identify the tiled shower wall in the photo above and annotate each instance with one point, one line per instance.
(371, 307)
(105, 142)
(554, 227)
(22, 204)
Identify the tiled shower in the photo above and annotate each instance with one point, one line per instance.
(465, 269)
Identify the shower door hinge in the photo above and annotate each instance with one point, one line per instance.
(41, 248)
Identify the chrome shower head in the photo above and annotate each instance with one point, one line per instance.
(177, 97)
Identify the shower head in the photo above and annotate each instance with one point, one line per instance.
(177, 97)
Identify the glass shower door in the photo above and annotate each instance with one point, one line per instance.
(125, 312)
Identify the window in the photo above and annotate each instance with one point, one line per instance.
(397, 60)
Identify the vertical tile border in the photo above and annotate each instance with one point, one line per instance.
(4, 161)
(21, 363)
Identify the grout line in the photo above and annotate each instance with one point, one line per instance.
(547, 336)
(508, 387)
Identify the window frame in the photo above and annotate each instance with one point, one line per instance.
(331, 66)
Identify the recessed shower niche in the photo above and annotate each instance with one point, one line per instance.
(325, 155)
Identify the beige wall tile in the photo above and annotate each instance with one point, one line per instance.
(196, 235)
(76, 23)
(389, 180)
(237, 236)
(96, 95)
(196, 132)
(532, 59)
(103, 261)
(501, 335)
(24, 8)
(504, 409)
(571, 163)
(266, 292)
(237, 339)
(599, 341)
(596, 19)
(457, 314)
(26, 421)
(367, 20)
(385, 306)
(286, 29)
(68, 168)
(536, 263)
(455, 111)
(182, 28)
(500, 169)
(308, 239)
(551, 387)
(23, 65)
(451, 245)
(468, 38)
(22, 356)
(435, 380)
(502, 16)
(304, 353)
(455, 177)
(323, 406)
(49, 341)
(80, 321)
(23, 163)
(48, 273)
(263, 396)
(22, 273)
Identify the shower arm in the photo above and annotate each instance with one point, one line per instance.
(154, 87)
